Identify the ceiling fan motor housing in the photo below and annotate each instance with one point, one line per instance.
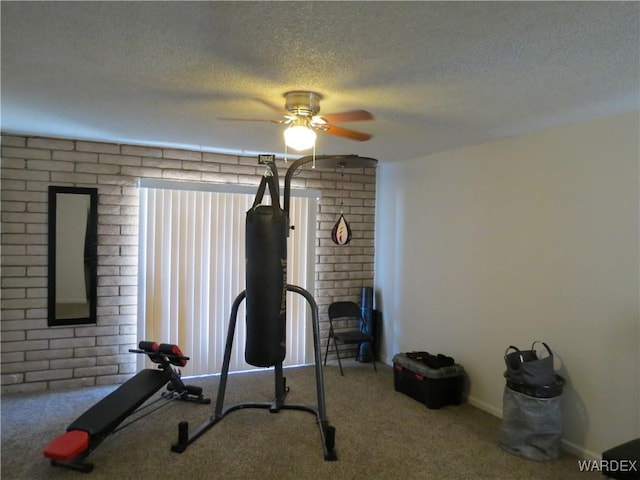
(302, 103)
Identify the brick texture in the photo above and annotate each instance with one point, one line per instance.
(36, 357)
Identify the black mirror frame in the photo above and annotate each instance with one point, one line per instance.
(92, 253)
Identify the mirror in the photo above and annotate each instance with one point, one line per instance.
(73, 253)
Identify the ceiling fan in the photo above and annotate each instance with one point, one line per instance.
(301, 113)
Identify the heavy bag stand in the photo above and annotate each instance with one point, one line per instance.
(327, 432)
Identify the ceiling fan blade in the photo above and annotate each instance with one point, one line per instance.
(271, 105)
(351, 116)
(346, 133)
(231, 119)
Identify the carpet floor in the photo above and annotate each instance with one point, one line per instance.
(380, 434)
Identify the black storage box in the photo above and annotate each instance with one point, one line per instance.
(623, 461)
(435, 387)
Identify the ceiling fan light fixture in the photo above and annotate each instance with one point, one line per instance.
(299, 137)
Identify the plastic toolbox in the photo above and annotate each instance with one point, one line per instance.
(435, 387)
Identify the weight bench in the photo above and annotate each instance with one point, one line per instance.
(101, 420)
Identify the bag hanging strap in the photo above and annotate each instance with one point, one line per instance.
(506, 352)
(269, 179)
(533, 347)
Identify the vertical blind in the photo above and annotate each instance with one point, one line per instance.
(192, 267)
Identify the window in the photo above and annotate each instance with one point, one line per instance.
(192, 267)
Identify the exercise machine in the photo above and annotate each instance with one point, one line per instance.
(327, 432)
(105, 418)
(267, 228)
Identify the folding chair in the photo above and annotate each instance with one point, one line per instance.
(346, 311)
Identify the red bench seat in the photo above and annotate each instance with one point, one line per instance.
(67, 446)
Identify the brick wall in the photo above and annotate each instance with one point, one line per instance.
(36, 357)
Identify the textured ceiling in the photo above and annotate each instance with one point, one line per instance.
(436, 75)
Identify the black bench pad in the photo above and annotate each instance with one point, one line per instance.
(109, 412)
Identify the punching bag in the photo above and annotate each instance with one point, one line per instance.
(266, 271)
(341, 232)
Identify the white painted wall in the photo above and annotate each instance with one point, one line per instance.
(534, 237)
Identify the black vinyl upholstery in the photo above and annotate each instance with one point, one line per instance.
(109, 412)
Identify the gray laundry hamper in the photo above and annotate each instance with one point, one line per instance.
(531, 426)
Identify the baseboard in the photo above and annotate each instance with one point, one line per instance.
(567, 446)
(579, 452)
(486, 407)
